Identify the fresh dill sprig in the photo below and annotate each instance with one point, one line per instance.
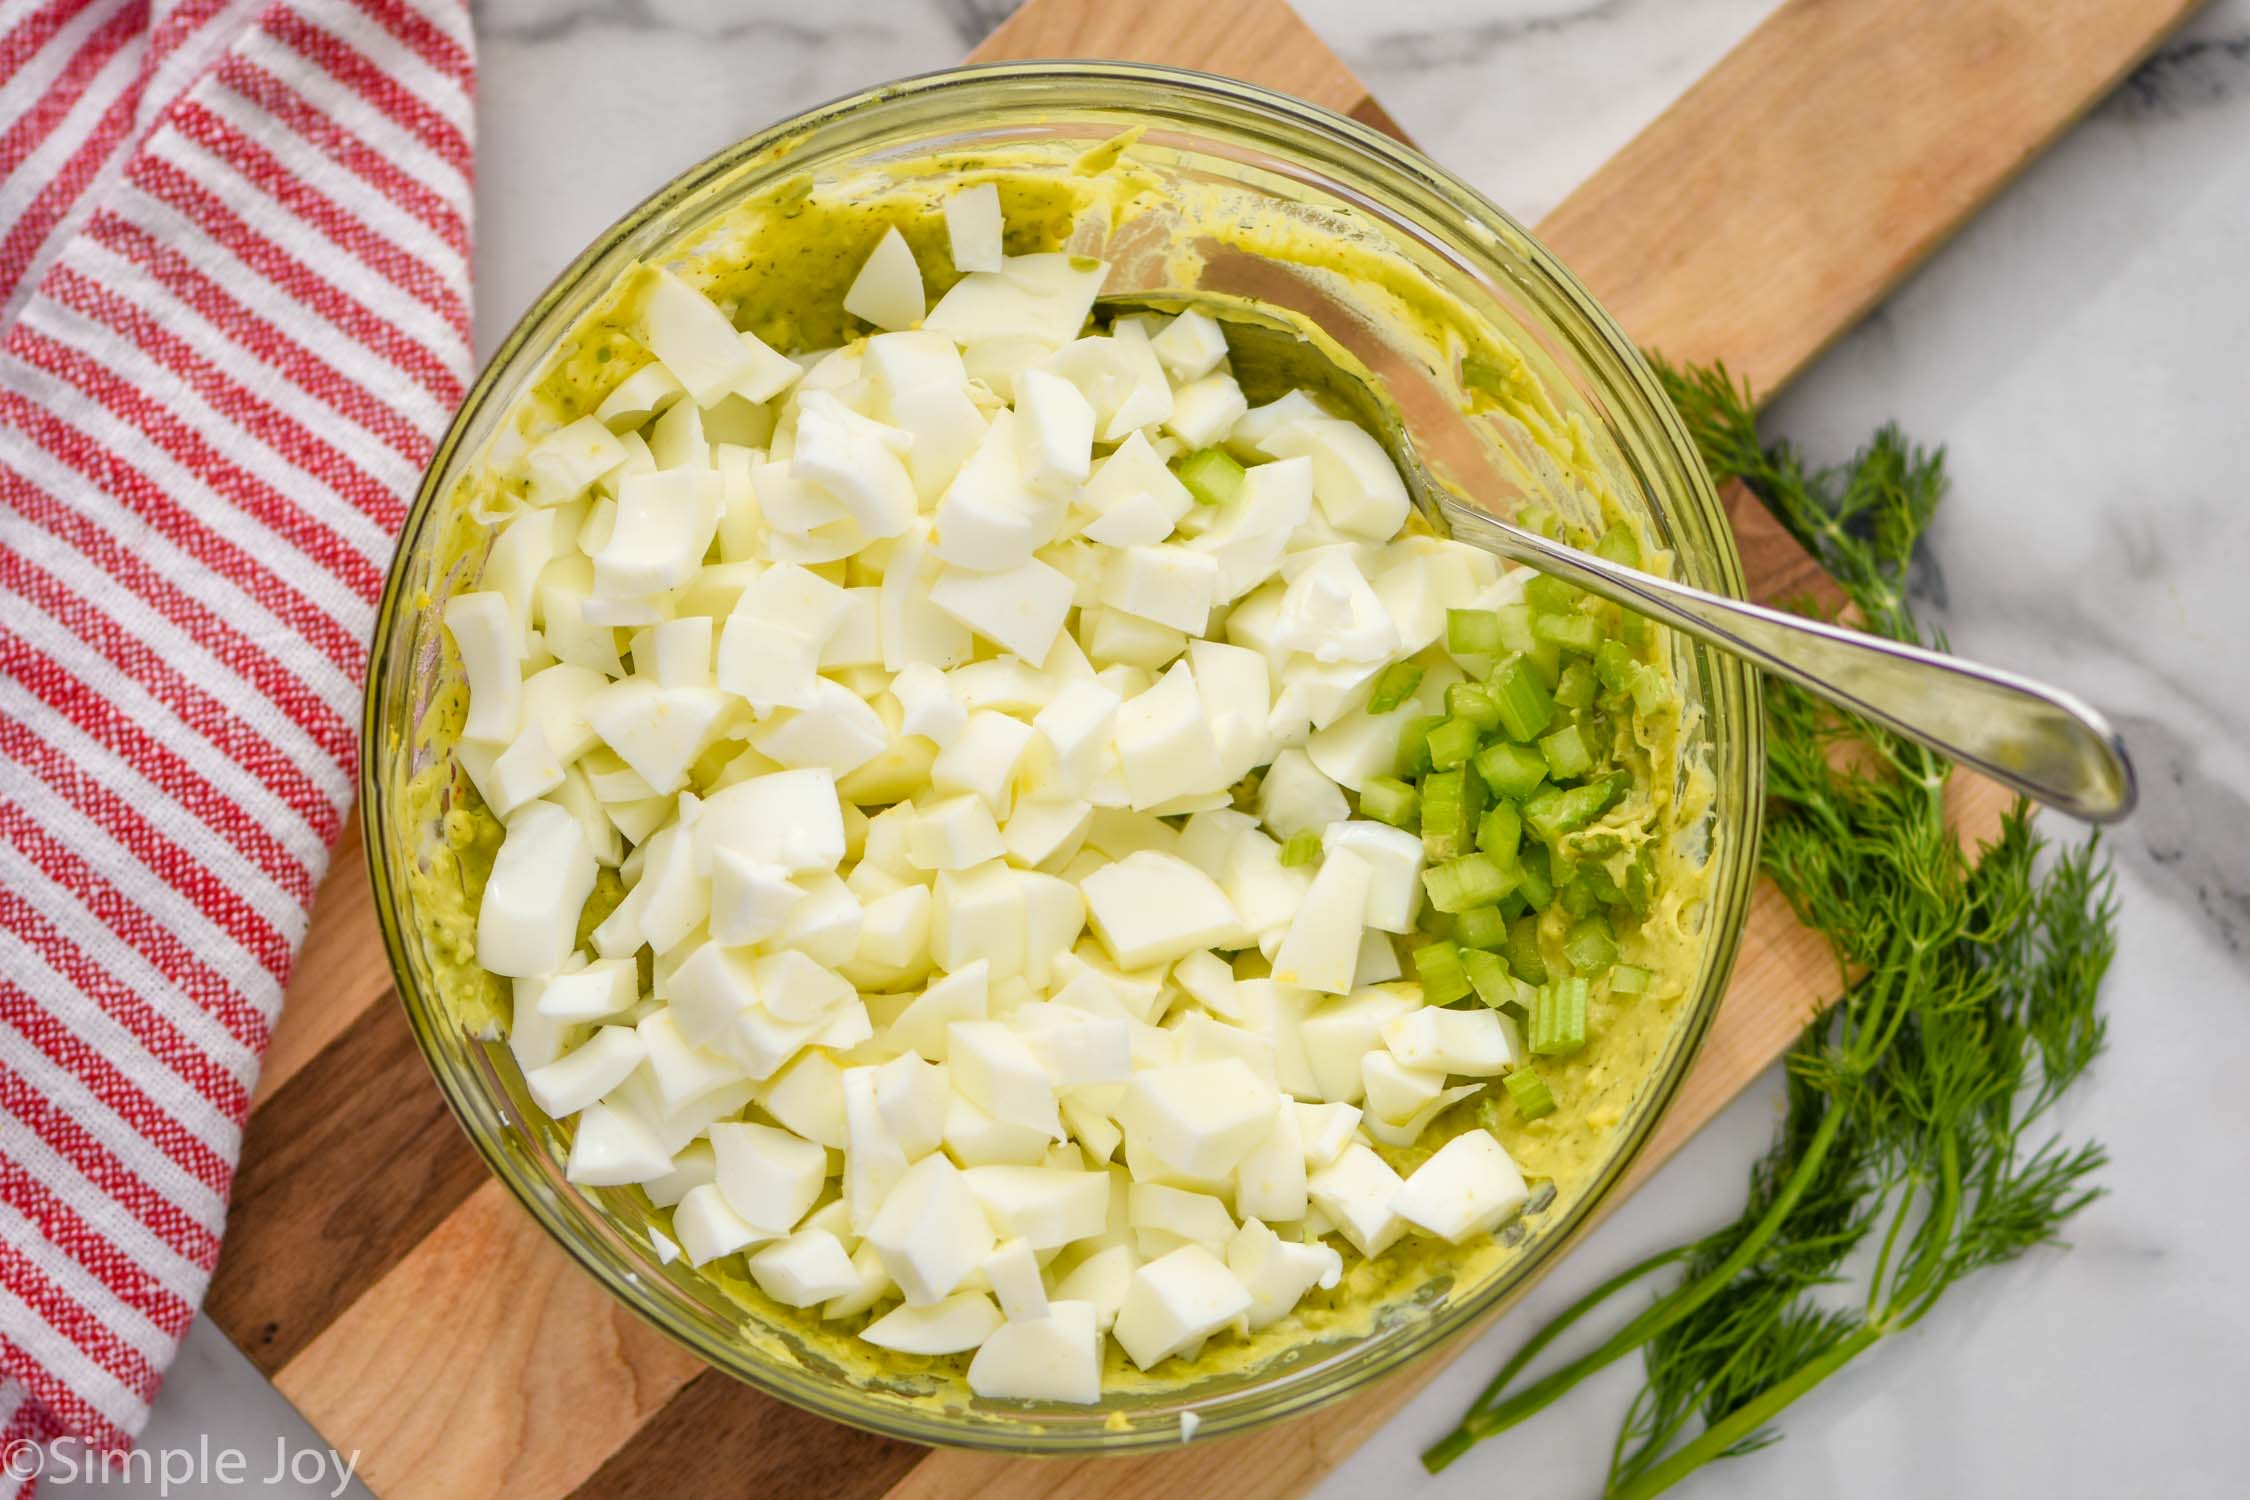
(1968, 1008)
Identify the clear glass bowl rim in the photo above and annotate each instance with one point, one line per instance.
(1341, 149)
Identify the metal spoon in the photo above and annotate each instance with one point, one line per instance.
(2046, 743)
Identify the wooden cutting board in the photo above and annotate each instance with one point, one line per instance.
(412, 1312)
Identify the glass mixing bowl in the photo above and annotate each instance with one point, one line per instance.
(1428, 285)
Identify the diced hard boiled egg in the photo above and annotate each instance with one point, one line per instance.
(972, 228)
(699, 348)
(540, 880)
(954, 1325)
(930, 1230)
(1176, 1302)
(1055, 1357)
(888, 289)
(1467, 1187)
(1321, 951)
(915, 699)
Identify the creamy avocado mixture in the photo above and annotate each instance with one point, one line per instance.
(1616, 897)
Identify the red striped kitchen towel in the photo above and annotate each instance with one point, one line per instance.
(234, 318)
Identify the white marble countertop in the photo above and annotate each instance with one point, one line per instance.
(2080, 350)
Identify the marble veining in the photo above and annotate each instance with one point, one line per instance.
(2193, 72)
(2079, 351)
(1472, 43)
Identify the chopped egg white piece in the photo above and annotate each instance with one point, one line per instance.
(888, 289)
(1467, 1187)
(959, 1323)
(1176, 1302)
(806, 1267)
(1057, 1357)
(1358, 1191)
(885, 679)
(972, 228)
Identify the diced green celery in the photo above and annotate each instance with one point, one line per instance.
(1473, 701)
(1414, 745)
(1596, 878)
(1211, 475)
(1500, 832)
(1550, 595)
(1619, 545)
(1443, 814)
(1560, 810)
(1438, 966)
(1472, 632)
(1572, 632)
(1395, 686)
(1558, 1018)
(1629, 979)
(1302, 848)
(1534, 1100)
(1451, 743)
(1536, 880)
(1575, 689)
(1566, 753)
(1489, 977)
(1524, 957)
(1512, 771)
(1472, 880)
(1513, 905)
(1614, 665)
(1387, 799)
(1589, 946)
(1573, 897)
(1640, 883)
(1526, 708)
(1652, 690)
(1480, 927)
(1515, 627)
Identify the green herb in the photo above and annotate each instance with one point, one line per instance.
(1912, 1121)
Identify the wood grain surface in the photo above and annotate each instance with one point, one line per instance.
(413, 1312)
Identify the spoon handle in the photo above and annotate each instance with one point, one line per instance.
(2043, 742)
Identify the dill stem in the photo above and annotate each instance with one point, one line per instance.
(1662, 1314)
(1928, 1280)
(1656, 1442)
(1562, 1321)
(1714, 1441)
(1881, 1279)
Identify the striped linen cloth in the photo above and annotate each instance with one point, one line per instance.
(234, 318)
